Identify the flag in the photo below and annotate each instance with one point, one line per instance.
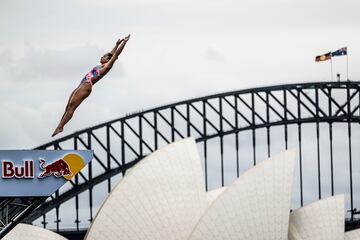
(323, 57)
(339, 52)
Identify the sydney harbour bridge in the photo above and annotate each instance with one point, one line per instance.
(233, 130)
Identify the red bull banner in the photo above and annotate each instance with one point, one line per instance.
(35, 173)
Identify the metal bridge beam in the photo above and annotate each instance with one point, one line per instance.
(209, 119)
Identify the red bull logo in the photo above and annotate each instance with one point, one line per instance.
(58, 168)
(10, 170)
(39, 173)
(67, 167)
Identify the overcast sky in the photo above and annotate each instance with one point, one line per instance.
(178, 50)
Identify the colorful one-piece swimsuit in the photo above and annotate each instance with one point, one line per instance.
(93, 73)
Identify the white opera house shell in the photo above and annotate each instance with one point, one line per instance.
(29, 232)
(163, 197)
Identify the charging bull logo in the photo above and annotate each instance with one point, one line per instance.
(67, 166)
(58, 168)
(39, 173)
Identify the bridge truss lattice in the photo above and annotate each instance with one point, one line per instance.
(234, 131)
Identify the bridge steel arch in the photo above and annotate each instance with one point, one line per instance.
(214, 121)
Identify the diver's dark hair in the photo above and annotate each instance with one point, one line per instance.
(110, 55)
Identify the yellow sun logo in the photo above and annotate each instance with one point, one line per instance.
(75, 163)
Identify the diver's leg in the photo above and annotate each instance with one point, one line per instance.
(68, 103)
(82, 92)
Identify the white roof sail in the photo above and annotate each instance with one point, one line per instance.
(212, 195)
(352, 235)
(256, 206)
(162, 197)
(323, 219)
(28, 232)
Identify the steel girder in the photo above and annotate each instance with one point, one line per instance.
(120, 143)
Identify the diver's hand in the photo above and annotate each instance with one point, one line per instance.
(119, 41)
(127, 38)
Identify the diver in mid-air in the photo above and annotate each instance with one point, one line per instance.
(85, 86)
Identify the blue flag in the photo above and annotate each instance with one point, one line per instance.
(339, 52)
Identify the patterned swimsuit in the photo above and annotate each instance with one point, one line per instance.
(95, 72)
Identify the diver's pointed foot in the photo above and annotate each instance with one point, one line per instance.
(57, 130)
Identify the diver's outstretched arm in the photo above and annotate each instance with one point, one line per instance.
(110, 63)
(116, 46)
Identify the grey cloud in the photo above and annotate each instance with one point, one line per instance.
(177, 52)
(63, 19)
(214, 55)
(50, 65)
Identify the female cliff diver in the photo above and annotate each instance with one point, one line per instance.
(85, 86)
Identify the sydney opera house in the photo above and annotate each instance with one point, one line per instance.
(163, 197)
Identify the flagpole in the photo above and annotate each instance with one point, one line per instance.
(347, 64)
(331, 69)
